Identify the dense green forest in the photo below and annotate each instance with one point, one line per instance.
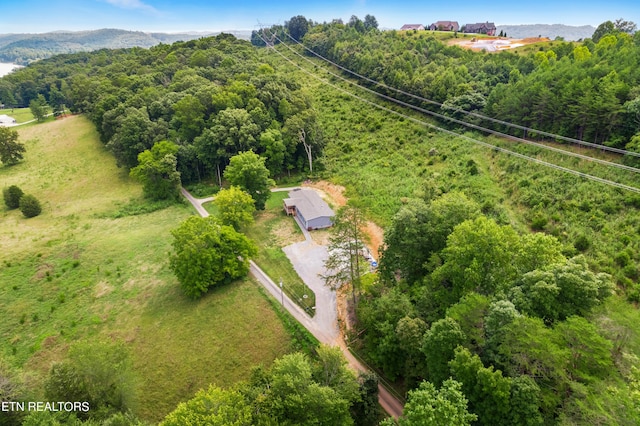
(501, 275)
(213, 97)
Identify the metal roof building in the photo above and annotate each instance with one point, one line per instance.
(312, 211)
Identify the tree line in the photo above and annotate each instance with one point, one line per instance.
(212, 98)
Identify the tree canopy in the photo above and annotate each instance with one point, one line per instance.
(207, 254)
(156, 170)
(235, 207)
(248, 172)
(11, 151)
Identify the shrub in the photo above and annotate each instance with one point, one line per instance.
(12, 196)
(30, 206)
(582, 243)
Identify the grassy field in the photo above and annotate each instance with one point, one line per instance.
(91, 267)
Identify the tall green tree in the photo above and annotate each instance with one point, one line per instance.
(247, 171)
(297, 27)
(96, 372)
(427, 405)
(235, 207)
(11, 151)
(294, 397)
(345, 263)
(439, 345)
(208, 254)
(419, 232)
(215, 407)
(39, 107)
(156, 170)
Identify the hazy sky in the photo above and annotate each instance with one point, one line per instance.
(37, 16)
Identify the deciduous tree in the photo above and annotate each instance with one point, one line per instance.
(215, 407)
(427, 405)
(247, 170)
(156, 170)
(98, 373)
(235, 207)
(10, 149)
(39, 108)
(207, 254)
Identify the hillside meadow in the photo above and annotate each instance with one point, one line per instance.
(92, 267)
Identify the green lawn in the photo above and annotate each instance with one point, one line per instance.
(91, 267)
(20, 114)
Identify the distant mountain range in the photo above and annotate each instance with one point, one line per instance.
(25, 48)
(567, 32)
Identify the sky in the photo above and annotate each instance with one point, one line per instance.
(38, 16)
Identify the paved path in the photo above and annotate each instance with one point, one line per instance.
(324, 324)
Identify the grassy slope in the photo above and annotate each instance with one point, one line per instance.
(75, 273)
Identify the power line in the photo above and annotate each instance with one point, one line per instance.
(474, 126)
(478, 142)
(473, 114)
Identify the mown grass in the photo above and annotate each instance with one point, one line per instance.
(21, 115)
(93, 266)
(272, 231)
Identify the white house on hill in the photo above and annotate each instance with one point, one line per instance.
(409, 27)
(312, 211)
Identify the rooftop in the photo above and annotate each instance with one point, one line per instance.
(309, 203)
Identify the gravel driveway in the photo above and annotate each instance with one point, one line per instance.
(308, 260)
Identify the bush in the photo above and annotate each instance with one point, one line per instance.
(12, 196)
(582, 243)
(30, 206)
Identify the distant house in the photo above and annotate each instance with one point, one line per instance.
(487, 28)
(312, 211)
(5, 120)
(409, 27)
(445, 26)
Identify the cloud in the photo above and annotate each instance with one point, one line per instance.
(132, 4)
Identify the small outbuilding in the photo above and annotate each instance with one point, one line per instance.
(312, 211)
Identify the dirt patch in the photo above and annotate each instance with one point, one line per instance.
(284, 233)
(495, 44)
(44, 270)
(334, 193)
(321, 236)
(375, 236)
(102, 289)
